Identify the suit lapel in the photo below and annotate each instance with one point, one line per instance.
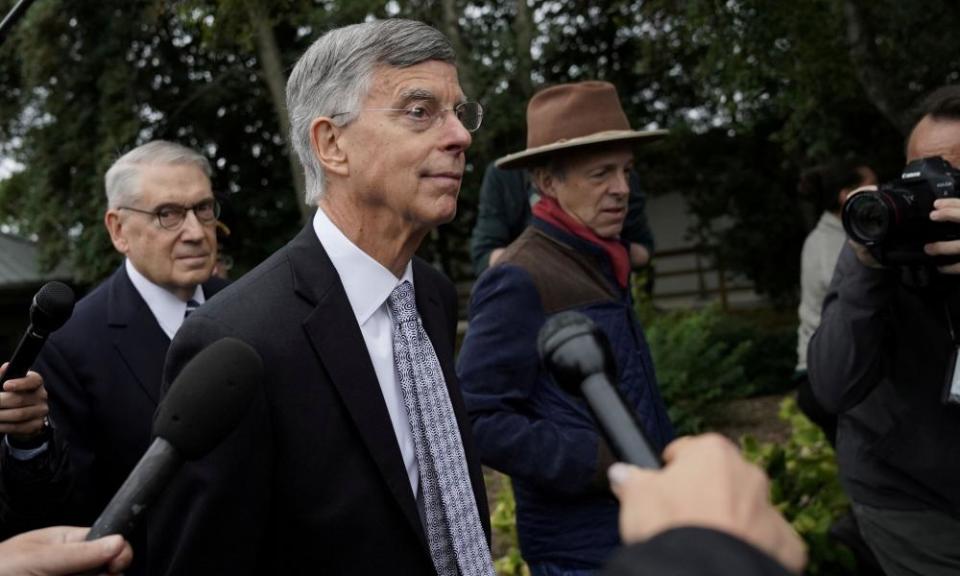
(336, 338)
(136, 335)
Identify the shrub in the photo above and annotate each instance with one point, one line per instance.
(805, 487)
(503, 522)
(695, 369)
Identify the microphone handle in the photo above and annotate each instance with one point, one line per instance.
(141, 488)
(618, 423)
(24, 356)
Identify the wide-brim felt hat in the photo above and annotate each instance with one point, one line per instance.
(574, 115)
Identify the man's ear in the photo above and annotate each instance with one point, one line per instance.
(114, 224)
(325, 139)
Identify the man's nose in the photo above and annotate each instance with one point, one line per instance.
(456, 137)
(621, 184)
(192, 227)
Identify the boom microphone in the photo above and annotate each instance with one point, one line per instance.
(578, 355)
(204, 403)
(51, 307)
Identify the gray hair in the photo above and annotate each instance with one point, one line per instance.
(334, 74)
(122, 181)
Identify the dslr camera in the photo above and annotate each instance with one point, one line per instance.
(893, 222)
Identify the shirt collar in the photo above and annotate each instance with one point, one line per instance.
(165, 306)
(367, 283)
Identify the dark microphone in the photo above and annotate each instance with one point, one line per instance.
(578, 355)
(203, 405)
(51, 307)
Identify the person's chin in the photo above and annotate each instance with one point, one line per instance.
(609, 230)
(192, 268)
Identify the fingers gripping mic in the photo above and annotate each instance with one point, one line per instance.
(51, 308)
(578, 356)
(204, 403)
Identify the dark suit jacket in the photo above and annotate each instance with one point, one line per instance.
(312, 480)
(102, 371)
(693, 552)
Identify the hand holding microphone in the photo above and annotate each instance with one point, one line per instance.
(23, 406)
(705, 483)
(23, 399)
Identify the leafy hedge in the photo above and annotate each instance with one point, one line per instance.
(805, 487)
(703, 357)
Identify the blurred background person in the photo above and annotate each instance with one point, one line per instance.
(827, 186)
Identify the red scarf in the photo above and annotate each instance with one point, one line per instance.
(549, 210)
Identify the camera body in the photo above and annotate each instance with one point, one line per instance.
(893, 222)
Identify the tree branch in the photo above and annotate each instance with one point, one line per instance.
(860, 42)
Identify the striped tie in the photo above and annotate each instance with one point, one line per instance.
(191, 306)
(454, 532)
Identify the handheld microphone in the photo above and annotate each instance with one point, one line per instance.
(204, 403)
(51, 308)
(578, 355)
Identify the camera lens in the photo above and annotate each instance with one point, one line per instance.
(866, 217)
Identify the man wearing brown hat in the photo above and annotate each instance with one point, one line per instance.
(571, 257)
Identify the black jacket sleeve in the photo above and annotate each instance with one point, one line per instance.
(33, 492)
(693, 552)
(847, 354)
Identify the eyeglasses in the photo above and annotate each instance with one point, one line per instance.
(423, 115)
(171, 216)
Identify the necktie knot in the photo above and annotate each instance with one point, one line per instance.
(402, 304)
(191, 306)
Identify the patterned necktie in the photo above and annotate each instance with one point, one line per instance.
(191, 306)
(453, 525)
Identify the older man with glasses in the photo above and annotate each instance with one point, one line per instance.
(103, 368)
(355, 456)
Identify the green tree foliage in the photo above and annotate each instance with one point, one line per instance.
(753, 90)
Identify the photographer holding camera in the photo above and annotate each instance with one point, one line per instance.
(884, 357)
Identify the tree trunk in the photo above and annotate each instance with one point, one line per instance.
(523, 30)
(860, 42)
(451, 27)
(272, 73)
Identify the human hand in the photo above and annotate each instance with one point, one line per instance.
(639, 255)
(23, 405)
(707, 483)
(945, 210)
(62, 550)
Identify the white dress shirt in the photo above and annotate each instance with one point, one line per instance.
(368, 284)
(166, 308)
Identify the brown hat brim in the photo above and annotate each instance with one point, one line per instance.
(533, 156)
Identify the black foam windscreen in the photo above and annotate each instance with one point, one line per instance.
(571, 346)
(209, 397)
(52, 307)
